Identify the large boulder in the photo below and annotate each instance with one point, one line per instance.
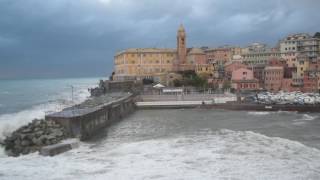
(31, 137)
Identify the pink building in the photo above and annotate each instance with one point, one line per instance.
(242, 79)
(310, 82)
(277, 62)
(286, 85)
(229, 67)
(242, 74)
(273, 78)
(197, 56)
(219, 55)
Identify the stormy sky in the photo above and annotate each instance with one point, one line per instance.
(78, 38)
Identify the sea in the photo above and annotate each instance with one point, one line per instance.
(173, 144)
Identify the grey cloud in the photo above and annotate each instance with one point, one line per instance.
(80, 37)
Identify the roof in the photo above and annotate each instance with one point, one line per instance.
(274, 67)
(196, 51)
(148, 50)
(158, 86)
(233, 62)
(218, 49)
(246, 81)
(243, 69)
(181, 28)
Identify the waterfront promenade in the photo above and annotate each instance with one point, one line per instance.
(183, 100)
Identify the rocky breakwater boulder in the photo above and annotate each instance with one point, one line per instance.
(30, 138)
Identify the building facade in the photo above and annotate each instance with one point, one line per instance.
(155, 63)
(219, 55)
(273, 78)
(242, 79)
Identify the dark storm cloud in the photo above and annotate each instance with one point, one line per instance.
(80, 37)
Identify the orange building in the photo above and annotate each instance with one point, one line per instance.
(155, 63)
(196, 56)
(219, 55)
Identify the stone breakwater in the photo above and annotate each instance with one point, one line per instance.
(80, 121)
(87, 119)
(33, 136)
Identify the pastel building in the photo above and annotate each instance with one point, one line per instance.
(310, 82)
(155, 63)
(289, 48)
(273, 78)
(242, 79)
(219, 55)
(196, 56)
(205, 70)
(136, 64)
(232, 66)
(260, 57)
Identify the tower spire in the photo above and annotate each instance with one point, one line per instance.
(181, 45)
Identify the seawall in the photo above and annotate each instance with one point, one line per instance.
(85, 123)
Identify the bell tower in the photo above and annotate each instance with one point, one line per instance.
(181, 46)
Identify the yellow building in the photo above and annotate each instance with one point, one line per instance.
(153, 63)
(137, 64)
(302, 66)
(205, 70)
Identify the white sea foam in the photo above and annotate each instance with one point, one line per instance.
(307, 117)
(264, 113)
(207, 155)
(10, 122)
(304, 119)
(259, 113)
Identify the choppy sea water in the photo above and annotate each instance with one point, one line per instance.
(171, 144)
(23, 100)
(187, 144)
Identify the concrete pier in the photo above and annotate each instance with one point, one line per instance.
(59, 148)
(85, 121)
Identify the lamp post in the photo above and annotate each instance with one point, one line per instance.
(72, 103)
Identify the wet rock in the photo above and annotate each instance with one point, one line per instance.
(57, 133)
(27, 130)
(25, 143)
(30, 138)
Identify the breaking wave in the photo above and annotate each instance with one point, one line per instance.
(10, 122)
(304, 119)
(259, 113)
(223, 154)
(264, 113)
(307, 117)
